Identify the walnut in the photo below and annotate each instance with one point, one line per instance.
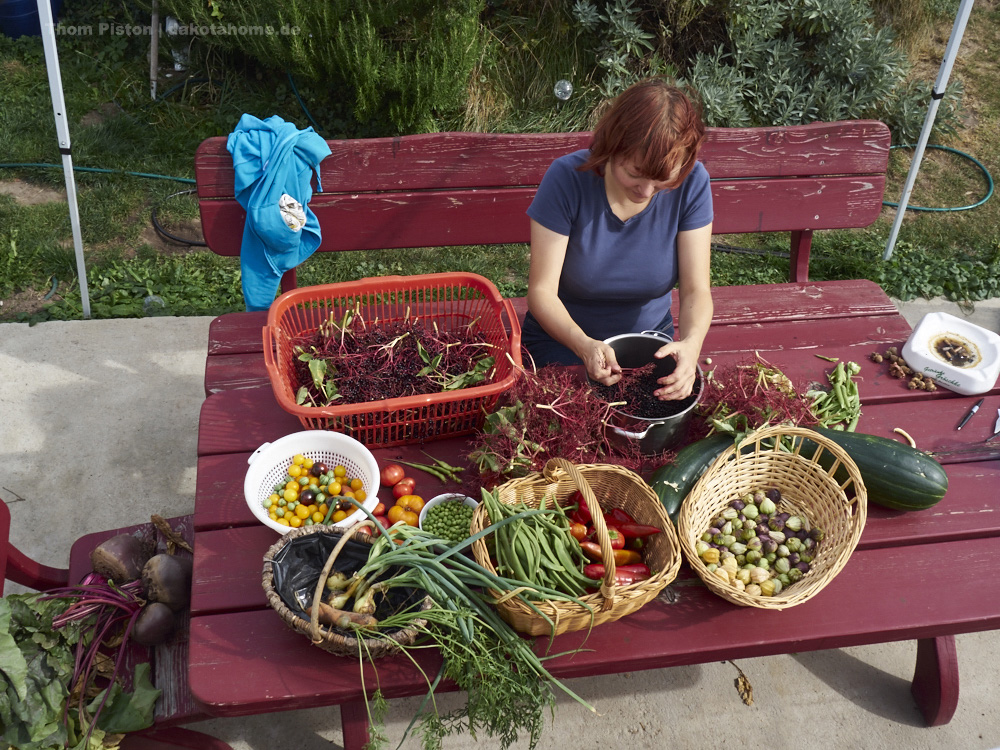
(876, 357)
(914, 384)
(896, 370)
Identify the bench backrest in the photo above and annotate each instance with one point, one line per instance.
(449, 189)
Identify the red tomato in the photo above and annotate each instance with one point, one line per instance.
(390, 474)
(404, 486)
(578, 531)
(383, 521)
(379, 510)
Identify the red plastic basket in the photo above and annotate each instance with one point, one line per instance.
(452, 301)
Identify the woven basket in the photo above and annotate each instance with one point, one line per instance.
(332, 640)
(807, 490)
(604, 486)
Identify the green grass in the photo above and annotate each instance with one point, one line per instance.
(950, 253)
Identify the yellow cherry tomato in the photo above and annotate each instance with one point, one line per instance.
(333, 489)
(357, 484)
(339, 516)
(294, 471)
(360, 495)
(283, 522)
(339, 471)
(318, 517)
(302, 511)
(298, 459)
(308, 463)
(295, 522)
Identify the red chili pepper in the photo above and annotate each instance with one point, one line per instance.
(616, 537)
(592, 550)
(634, 530)
(624, 575)
(582, 512)
(617, 516)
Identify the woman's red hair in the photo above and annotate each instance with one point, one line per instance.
(654, 124)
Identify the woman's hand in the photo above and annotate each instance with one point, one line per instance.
(680, 382)
(601, 363)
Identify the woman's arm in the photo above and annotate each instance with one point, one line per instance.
(548, 252)
(694, 290)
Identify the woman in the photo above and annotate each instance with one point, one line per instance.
(614, 229)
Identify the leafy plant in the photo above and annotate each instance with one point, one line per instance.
(38, 661)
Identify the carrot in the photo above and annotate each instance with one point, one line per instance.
(340, 618)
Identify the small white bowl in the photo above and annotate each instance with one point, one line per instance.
(447, 497)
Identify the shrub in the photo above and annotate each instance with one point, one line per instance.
(407, 62)
(790, 62)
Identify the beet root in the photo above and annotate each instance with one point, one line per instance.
(167, 579)
(154, 624)
(120, 558)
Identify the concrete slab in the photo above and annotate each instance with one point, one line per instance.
(98, 427)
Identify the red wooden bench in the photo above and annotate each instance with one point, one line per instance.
(457, 189)
(175, 704)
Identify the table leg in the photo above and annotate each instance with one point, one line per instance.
(935, 679)
(354, 724)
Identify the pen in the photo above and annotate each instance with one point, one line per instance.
(972, 411)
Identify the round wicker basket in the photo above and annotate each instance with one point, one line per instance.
(333, 640)
(807, 490)
(604, 487)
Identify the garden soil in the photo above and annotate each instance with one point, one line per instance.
(99, 430)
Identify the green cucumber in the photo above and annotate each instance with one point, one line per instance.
(895, 475)
(673, 481)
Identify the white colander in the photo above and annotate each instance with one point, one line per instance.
(269, 465)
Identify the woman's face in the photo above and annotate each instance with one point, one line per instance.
(634, 186)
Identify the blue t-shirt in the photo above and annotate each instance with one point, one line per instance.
(618, 275)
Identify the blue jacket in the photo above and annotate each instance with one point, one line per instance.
(273, 158)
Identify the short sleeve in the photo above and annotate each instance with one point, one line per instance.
(557, 200)
(697, 210)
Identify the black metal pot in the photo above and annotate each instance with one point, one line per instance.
(662, 433)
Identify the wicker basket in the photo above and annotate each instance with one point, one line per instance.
(448, 301)
(604, 486)
(807, 490)
(332, 640)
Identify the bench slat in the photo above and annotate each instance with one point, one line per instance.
(443, 161)
(262, 420)
(234, 333)
(246, 370)
(375, 221)
(865, 604)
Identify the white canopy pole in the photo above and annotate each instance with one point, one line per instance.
(62, 131)
(951, 51)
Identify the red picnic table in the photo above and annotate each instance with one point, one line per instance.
(244, 659)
